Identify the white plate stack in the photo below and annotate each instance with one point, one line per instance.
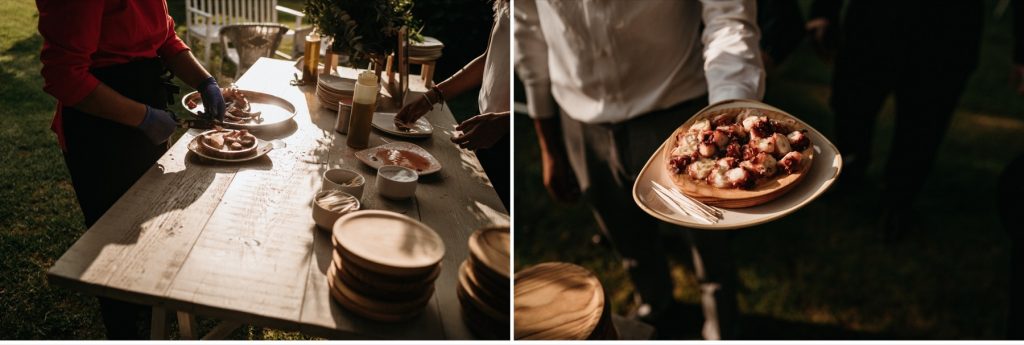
(331, 89)
(428, 50)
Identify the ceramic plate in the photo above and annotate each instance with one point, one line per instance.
(824, 170)
(397, 153)
(275, 110)
(385, 122)
(262, 147)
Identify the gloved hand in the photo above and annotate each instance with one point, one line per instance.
(213, 99)
(158, 125)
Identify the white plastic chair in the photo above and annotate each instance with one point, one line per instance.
(205, 18)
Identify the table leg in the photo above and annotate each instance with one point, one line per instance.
(158, 326)
(187, 326)
(427, 72)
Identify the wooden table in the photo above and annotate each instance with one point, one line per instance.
(237, 242)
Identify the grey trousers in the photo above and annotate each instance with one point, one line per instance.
(606, 159)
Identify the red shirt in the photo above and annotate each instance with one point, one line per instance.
(83, 34)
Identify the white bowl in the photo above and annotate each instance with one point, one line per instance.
(324, 217)
(396, 182)
(344, 180)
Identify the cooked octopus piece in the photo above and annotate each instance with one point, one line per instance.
(791, 162)
(782, 146)
(700, 126)
(700, 169)
(734, 150)
(763, 165)
(739, 178)
(798, 140)
(677, 164)
(717, 179)
(762, 128)
(727, 163)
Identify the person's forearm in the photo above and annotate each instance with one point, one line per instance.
(106, 103)
(549, 136)
(470, 76)
(185, 66)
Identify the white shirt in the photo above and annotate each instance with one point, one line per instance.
(494, 89)
(607, 61)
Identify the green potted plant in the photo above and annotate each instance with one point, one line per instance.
(365, 30)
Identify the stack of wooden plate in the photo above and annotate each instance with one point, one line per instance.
(560, 301)
(384, 265)
(428, 50)
(483, 283)
(331, 89)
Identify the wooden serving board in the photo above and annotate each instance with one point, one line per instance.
(766, 189)
(557, 301)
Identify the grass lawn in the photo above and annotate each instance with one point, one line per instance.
(39, 216)
(823, 272)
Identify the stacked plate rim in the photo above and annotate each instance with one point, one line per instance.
(483, 288)
(429, 50)
(331, 89)
(383, 265)
(561, 301)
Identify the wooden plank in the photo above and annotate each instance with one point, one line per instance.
(254, 258)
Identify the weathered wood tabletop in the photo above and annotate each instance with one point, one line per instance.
(237, 241)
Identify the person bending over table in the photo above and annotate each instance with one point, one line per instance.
(606, 83)
(109, 65)
(486, 133)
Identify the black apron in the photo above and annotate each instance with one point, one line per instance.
(105, 158)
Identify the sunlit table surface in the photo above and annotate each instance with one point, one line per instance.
(237, 241)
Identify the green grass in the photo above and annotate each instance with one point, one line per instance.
(823, 272)
(39, 216)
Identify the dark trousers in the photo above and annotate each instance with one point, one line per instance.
(884, 51)
(1009, 205)
(606, 159)
(105, 158)
(495, 161)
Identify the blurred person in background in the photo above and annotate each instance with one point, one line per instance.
(107, 64)
(606, 82)
(922, 53)
(487, 133)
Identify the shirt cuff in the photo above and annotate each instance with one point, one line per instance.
(540, 103)
(70, 94)
(728, 92)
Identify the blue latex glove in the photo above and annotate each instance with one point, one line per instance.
(158, 125)
(213, 99)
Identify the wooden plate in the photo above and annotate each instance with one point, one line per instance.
(386, 284)
(486, 280)
(388, 243)
(275, 110)
(338, 292)
(262, 147)
(370, 156)
(764, 192)
(557, 301)
(490, 248)
(820, 175)
(385, 122)
(490, 301)
(479, 323)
